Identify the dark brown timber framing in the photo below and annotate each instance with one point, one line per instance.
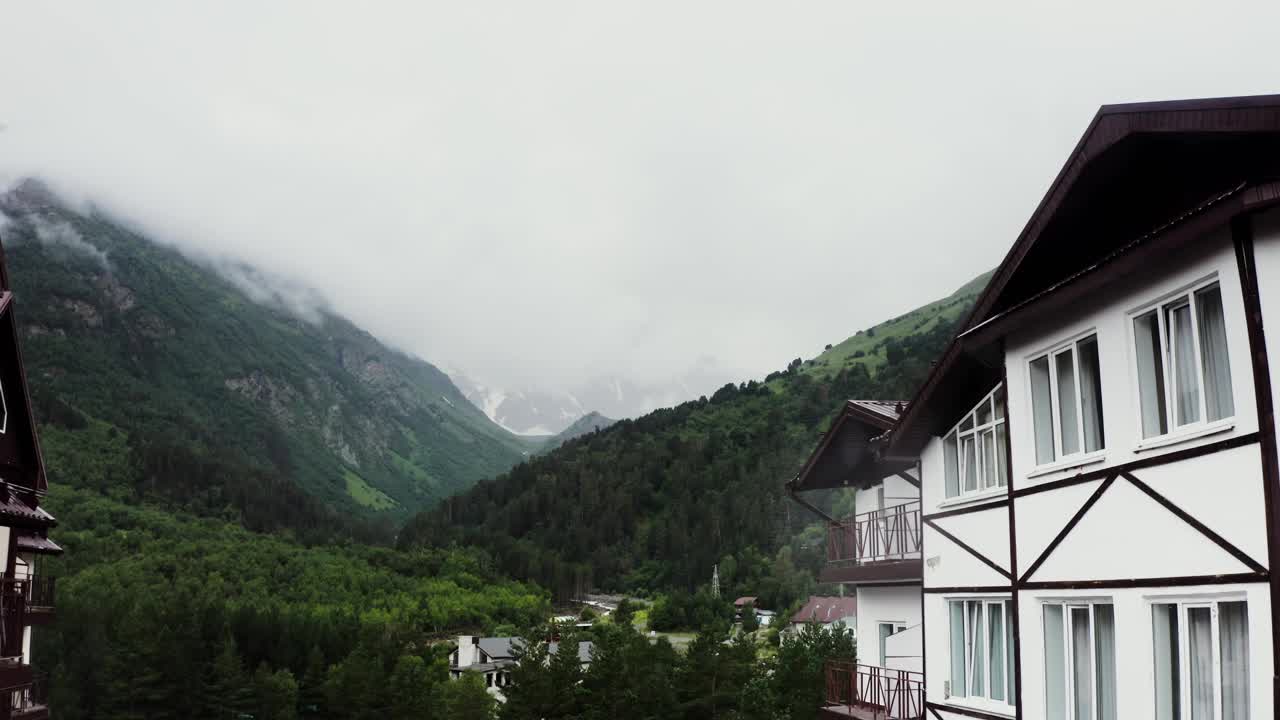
(1014, 623)
(961, 544)
(1242, 239)
(1066, 529)
(935, 707)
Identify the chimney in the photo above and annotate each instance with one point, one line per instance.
(468, 650)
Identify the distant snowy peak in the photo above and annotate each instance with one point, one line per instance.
(533, 411)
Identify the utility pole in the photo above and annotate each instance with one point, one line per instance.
(715, 581)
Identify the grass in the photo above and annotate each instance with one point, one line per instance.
(868, 346)
(366, 494)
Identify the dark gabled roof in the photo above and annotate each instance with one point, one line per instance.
(32, 542)
(1140, 172)
(826, 609)
(847, 453)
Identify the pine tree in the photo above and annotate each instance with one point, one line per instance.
(226, 689)
(311, 697)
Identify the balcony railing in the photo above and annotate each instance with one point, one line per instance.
(877, 536)
(39, 593)
(889, 694)
(28, 699)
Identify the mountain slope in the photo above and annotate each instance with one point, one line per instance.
(589, 423)
(205, 395)
(656, 502)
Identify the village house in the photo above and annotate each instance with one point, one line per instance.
(1096, 449)
(496, 657)
(26, 590)
(826, 612)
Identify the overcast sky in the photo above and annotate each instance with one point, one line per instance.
(542, 191)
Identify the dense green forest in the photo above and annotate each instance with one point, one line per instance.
(214, 390)
(657, 501)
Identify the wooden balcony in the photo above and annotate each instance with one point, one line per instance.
(877, 546)
(26, 701)
(869, 692)
(38, 593)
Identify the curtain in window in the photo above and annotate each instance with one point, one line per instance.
(1002, 459)
(1146, 332)
(1090, 394)
(1008, 650)
(1233, 635)
(1186, 383)
(1200, 657)
(978, 655)
(1067, 402)
(951, 463)
(1081, 664)
(958, 650)
(1164, 630)
(1055, 664)
(970, 457)
(1104, 644)
(1042, 410)
(1213, 354)
(995, 641)
(988, 458)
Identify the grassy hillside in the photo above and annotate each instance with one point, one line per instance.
(656, 502)
(224, 396)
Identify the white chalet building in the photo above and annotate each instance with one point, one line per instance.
(1096, 449)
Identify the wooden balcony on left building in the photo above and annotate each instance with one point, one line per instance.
(870, 692)
(877, 546)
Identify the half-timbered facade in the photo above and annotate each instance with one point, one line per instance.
(1096, 448)
(26, 591)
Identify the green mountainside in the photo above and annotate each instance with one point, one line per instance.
(589, 423)
(657, 501)
(227, 397)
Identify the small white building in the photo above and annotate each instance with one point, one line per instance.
(496, 657)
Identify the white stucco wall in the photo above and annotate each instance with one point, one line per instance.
(896, 604)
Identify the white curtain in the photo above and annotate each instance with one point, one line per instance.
(1002, 458)
(1200, 654)
(1186, 384)
(1213, 354)
(1146, 332)
(1233, 635)
(1055, 664)
(1042, 410)
(951, 462)
(1164, 630)
(1068, 402)
(995, 641)
(970, 458)
(988, 458)
(1090, 394)
(978, 657)
(1081, 664)
(1104, 644)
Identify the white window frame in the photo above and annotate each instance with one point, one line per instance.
(1081, 455)
(1184, 605)
(984, 701)
(1174, 431)
(895, 627)
(999, 418)
(1068, 646)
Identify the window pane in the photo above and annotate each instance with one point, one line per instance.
(984, 412)
(1200, 662)
(995, 642)
(977, 680)
(970, 458)
(1104, 651)
(1186, 381)
(1002, 459)
(1042, 410)
(1164, 630)
(1055, 664)
(1012, 667)
(1146, 331)
(998, 399)
(951, 463)
(1065, 366)
(1233, 638)
(967, 424)
(958, 652)
(1213, 354)
(1090, 394)
(988, 458)
(1081, 664)
(886, 630)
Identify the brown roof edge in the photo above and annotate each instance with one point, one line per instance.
(1091, 143)
(857, 410)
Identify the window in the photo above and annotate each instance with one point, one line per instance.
(1080, 661)
(1184, 377)
(1066, 401)
(884, 630)
(974, 451)
(981, 650)
(1201, 660)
